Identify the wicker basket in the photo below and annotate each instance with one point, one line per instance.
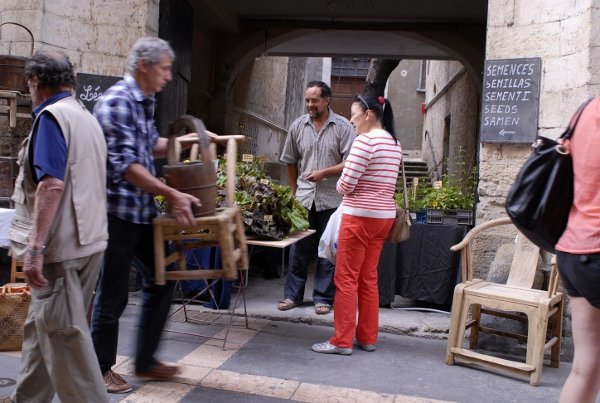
(14, 304)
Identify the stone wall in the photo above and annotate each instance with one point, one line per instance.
(406, 99)
(452, 104)
(259, 99)
(562, 35)
(95, 34)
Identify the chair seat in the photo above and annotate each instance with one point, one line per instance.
(507, 293)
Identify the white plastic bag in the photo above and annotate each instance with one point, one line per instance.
(329, 240)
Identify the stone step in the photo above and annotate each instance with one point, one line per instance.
(415, 168)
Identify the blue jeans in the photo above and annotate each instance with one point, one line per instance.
(301, 254)
(128, 241)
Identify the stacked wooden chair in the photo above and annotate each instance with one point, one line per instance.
(222, 229)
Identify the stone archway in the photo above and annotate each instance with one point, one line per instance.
(465, 46)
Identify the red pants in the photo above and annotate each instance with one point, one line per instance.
(359, 246)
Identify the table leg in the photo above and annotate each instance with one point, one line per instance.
(282, 270)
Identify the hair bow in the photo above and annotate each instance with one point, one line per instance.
(381, 100)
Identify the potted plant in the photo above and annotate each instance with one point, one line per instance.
(450, 200)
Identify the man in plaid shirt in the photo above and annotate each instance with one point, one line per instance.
(125, 113)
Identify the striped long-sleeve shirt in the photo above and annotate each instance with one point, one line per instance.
(369, 177)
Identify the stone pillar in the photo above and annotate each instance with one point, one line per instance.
(563, 36)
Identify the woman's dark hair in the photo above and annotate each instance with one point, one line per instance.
(325, 90)
(52, 69)
(381, 108)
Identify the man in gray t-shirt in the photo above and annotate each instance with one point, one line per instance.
(315, 149)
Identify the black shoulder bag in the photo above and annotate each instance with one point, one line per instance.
(540, 199)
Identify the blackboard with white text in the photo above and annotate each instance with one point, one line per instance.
(510, 100)
(91, 86)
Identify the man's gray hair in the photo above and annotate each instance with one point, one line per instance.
(149, 49)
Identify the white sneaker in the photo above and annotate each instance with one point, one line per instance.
(327, 348)
(365, 347)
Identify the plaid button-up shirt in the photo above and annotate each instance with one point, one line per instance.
(312, 150)
(126, 116)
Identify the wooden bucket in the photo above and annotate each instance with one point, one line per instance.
(12, 68)
(197, 178)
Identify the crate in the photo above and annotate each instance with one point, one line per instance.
(460, 217)
(421, 217)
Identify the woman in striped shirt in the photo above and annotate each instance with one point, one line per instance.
(368, 183)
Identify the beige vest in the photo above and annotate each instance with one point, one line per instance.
(79, 228)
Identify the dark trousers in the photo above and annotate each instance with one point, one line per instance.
(128, 241)
(301, 254)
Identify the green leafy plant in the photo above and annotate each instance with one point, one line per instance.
(455, 191)
(268, 209)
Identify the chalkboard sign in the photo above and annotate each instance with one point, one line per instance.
(91, 86)
(510, 100)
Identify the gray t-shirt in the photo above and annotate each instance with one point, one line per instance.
(312, 150)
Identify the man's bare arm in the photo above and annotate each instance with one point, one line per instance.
(292, 171)
(320, 174)
(47, 199)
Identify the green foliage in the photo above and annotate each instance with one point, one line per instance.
(268, 209)
(455, 192)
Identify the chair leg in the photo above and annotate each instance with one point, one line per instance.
(557, 332)
(455, 323)
(537, 324)
(458, 321)
(13, 269)
(476, 318)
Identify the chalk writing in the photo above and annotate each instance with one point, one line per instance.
(88, 95)
(510, 99)
(91, 86)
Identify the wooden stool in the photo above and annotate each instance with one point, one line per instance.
(16, 270)
(11, 108)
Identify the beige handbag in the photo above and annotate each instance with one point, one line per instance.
(401, 229)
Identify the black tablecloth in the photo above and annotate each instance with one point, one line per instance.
(422, 267)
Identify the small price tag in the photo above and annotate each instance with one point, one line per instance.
(247, 157)
(437, 184)
(268, 218)
(264, 181)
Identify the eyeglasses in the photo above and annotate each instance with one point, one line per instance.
(361, 99)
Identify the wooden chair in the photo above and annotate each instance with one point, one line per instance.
(536, 307)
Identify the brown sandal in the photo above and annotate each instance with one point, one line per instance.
(322, 309)
(286, 304)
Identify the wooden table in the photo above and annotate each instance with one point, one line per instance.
(255, 240)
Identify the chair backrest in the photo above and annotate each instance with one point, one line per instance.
(525, 258)
(524, 263)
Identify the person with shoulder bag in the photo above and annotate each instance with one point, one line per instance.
(368, 183)
(578, 258)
